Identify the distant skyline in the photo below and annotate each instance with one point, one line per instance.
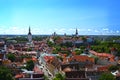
(90, 17)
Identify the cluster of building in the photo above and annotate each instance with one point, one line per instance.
(23, 53)
(74, 67)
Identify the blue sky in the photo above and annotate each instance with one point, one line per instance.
(93, 17)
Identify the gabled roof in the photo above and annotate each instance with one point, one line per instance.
(101, 54)
(81, 58)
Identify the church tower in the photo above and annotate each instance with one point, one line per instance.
(76, 34)
(29, 35)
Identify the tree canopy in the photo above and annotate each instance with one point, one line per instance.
(107, 76)
(59, 76)
(30, 65)
(11, 57)
(5, 73)
(113, 68)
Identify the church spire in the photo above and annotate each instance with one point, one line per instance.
(29, 35)
(76, 32)
(29, 31)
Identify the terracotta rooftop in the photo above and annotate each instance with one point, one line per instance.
(103, 68)
(47, 58)
(101, 54)
(19, 75)
(81, 58)
(37, 70)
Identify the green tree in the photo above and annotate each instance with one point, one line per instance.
(95, 58)
(29, 49)
(82, 47)
(113, 68)
(78, 52)
(84, 39)
(55, 51)
(65, 52)
(59, 76)
(60, 57)
(50, 44)
(11, 57)
(68, 44)
(30, 65)
(46, 77)
(20, 39)
(56, 38)
(97, 42)
(58, 48)
(107, 76)
(5, 73)
(38, 38)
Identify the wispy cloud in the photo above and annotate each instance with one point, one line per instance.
(105, 29)
(70, 31)
(117, 31)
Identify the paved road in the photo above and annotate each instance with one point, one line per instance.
(44, 68)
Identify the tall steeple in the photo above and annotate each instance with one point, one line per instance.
(29, 35)
(29, 31)
(76, 34)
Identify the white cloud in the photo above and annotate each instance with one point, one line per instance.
(82, 30)
(105, 29)
(16, 30)
(34, 31)
(117, 31)
(111, 31)
(71, 29)
(62, 30)
(96, 31)
(89, 30)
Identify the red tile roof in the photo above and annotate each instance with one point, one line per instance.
(103, 68)
(81, 58)
(34, 59)
(19, 76)
(47, 58)
(101, 54)
(28, 59)
(37, 70)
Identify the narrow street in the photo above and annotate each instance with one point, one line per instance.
(43, 67)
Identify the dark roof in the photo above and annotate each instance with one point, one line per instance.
(31, 79)
(75, 74)
(1, 56)
(77, 79)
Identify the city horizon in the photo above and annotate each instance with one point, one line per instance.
(73, 31)
(90, 17)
